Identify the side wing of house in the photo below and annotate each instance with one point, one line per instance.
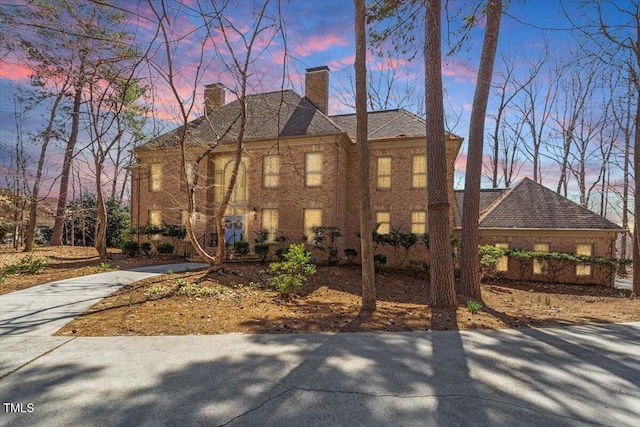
(531, 217)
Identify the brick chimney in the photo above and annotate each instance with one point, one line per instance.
(316, 87)
(213, 97)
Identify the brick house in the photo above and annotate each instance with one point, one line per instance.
(297, 171)
(532, 217)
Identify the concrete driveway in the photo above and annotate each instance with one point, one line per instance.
(581, 375)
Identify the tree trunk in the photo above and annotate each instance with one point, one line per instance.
(636, 230)
(33, 208)
(366, 227)
(469, 285)
(56, 238)
(100, 243)
(442, 290)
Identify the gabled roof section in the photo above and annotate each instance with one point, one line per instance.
(385, 124)
(269, 116)
(529, 205)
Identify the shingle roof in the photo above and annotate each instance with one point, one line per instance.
(269, 115)
(384, 124)
(487, 197)
(529, 205)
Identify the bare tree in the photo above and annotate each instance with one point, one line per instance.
(623, 117)
(366, 228)
(617, 45)
(236, 50)
(68, 37)
(45, 138)
(535, 110)
(389, 85)
(508, 88)
(111, 116)
(571, 112)
(469, 285)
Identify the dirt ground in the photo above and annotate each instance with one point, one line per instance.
(240, 301)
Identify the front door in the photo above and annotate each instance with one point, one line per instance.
(233, 225)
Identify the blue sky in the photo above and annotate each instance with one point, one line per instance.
(320, 32)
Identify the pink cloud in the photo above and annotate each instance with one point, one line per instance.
(461, 73)
(318, 43)
(14, 72)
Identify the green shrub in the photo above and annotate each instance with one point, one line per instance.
(130, 248)
(261, 250)
(145, 247)
(417, 266)
(165, 248)
(292, 273)
(351, 255)
(27, 265)
(489, 256)
(261, 236)
(474, 306)
(241, 247)
(281, 252)
(379, 260)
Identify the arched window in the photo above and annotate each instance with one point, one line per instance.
(240, 189)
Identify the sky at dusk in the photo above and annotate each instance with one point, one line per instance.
(319, 32)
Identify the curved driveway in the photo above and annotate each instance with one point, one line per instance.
(579, 375)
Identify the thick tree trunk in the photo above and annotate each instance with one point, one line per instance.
(442, 290)
(636, 230)
(469, 285)
(366, 227)
(58, 225)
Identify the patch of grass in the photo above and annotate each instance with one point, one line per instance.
(104, 266)
(27, 265)
(547, 301)
(474, 306)
(156, 290)
(188, 289)
(621, 294)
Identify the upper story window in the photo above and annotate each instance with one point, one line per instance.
(584, 269)
(271, 171)
(223, 179)
(155, 182)
(503, 261)
(383, 221)
(419, 171)
(384, 172)
(541, 266)
(313, 169)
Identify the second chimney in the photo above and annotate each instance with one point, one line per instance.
(213, 97)
(316, 87)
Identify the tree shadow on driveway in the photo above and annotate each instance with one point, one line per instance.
(534, 377)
